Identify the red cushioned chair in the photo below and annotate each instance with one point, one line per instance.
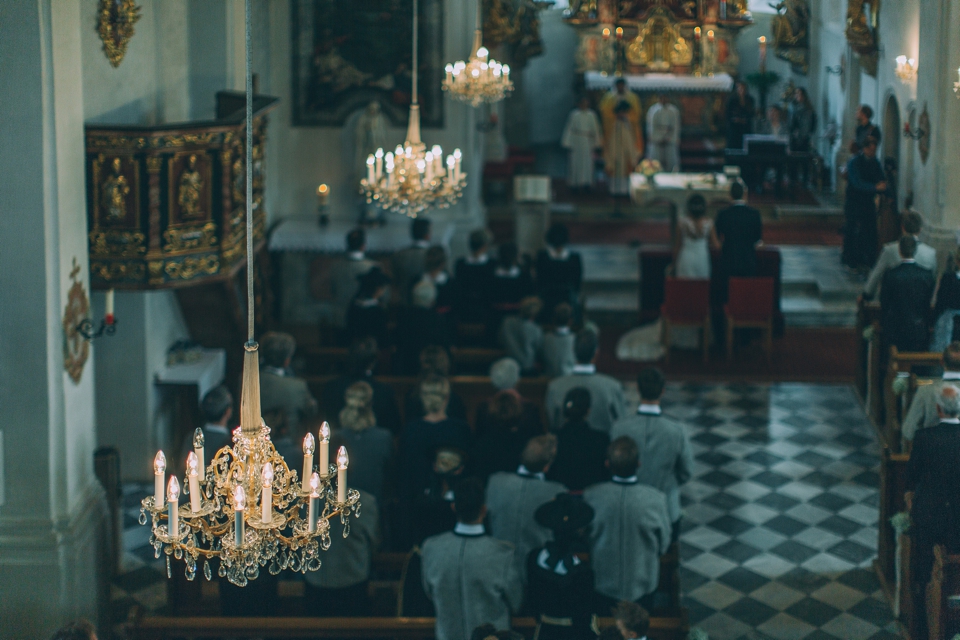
(750, 305)
(686, 303)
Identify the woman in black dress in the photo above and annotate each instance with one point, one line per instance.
(581, 451)
(740, 112)
(559, 271)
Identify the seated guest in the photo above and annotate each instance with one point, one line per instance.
(774, 124)
(511, 284)
(419, 326)
(504, 423)
(521, 337)
(666, 460)
(581, 451)
(474, 274)
(344, 274)
(558, 582)
(607, 401)
(926, 256)
(280, 392)
(512, 499)
(407, 264)
(434, 508)
(78, 630)
(905, 295)
(435, 271)
(933, 487)
(947, 306)
(558, 358)
(739, 230)
(216, 409)
(361, 361)
(559, 271)
(370, 446)
(367, 316)
(630, 532)
(489, 632)
(923, 408)
(469, 576)
(632, 620)
(434, 361)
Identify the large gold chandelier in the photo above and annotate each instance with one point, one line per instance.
(479, 80)
(412, 179)
(247, 508)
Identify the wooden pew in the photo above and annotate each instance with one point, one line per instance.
(868, 366)
(893, 474)
(901, 364)
(319, 360)
(943, 595)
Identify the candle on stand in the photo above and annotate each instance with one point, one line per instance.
(606, 33)
(308, 448)
(323, 192)
(193, 484)
(198, 444)
(266, 495)
(314, 500)
(239, 503)
(456, 166)
(108, 303)
(619, 33)
(379, 169)
(173, 499)
(342, 461)
(324, 466)
(696, 34)
(762, 40)
(370, 179)
(710, 36)
(159, 468)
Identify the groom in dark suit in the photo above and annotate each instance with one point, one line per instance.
(905, 295)
(739, 230)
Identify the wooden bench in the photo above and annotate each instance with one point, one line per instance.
(943, 595)
(901, 364)
(318, 360)
(893, 480)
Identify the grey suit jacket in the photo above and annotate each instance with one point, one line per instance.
(471, 581)
(349, 560)
(558, 358)
(630, 531)
(522, 340)
(890, 257)
(666, 459)
(344, 285)
(923, 409)
(290, 396)
(512, 500)
(607, 402)
(407, 267)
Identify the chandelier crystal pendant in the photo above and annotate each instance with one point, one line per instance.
(479, 80)
(247, 508)
(412, 179)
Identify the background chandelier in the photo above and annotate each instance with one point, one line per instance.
(247, 507)
(480, 79)
(412, 179)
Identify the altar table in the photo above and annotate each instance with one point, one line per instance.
(676, 188)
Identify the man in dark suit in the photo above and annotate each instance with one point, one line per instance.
(407, 264)
(905, 295)
(361, 362)
(865, 179)
(739, 230)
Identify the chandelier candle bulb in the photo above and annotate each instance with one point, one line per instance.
(198, 444)
(370, 178)
(266, 495)
(379, 172)
(159, 469)
(342, 461)
(312, 504)
(239, 503)
(193, 483)
(173, 506)
(108, 304)
(324, 466)
(309, 446)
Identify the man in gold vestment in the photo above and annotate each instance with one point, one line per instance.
(623, 141)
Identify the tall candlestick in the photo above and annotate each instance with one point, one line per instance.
(379, 157)
(324, 466)
(437, 160)
(173, 498)
(370, 178)
(159, 468)
(239, 503)
(308, 448)
(428, 161)
(323, 193)
(342, 461)
(108, 304)
(762, 40)
(198, 444)
(314, 501)
(193, 483)
(266, 494)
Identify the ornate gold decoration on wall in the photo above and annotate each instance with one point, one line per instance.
(115, 197)
(76, 349)
(790, 33)
(186, 238)
(514, 24)
(923, 144)
(117, 270)
(118, 141)
(659, 45)
(189, 268)
(121, 244)
(861, 31)
(115, 20)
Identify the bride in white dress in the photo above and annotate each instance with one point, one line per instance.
(695, 237)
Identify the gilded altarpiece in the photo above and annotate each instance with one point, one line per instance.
(166, 204)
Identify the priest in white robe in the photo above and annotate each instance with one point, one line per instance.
(663, 134)
(581, 136)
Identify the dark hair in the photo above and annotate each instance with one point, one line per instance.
(468, 499)
(479, 238)
(585, 346)
(576, 404)
(505, 406)
(650, 382)
(736, 190)
(362, 356)
(867, 111)
(951, 357)
(77, 630)
(558, 235)
(908, 247)
(434, 360)
(435, 258)
(623, 456)
(620, 82)
(696, 206)
(911, 222)
(622, 107)
(633, 617)
(277, 348)
(216, 403)
(420, 228)
(562, 314)
(507, 254)
(539, 452)
(356, 239)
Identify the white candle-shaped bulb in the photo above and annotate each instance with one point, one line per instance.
(379, 169)
(450, 163)
(266, 496)
(159, 469)
(108, 305)
(449, 71)
(198, 444)
(370, 176)
(342, 461)
(482, 53)
(398, 151)
(309, 446)
(324, 466)
(173, 500)
(193, 482)
(312, 503)
(239, 504)
(506, 70)
(456, 167)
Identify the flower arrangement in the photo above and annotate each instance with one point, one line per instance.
(649, 168)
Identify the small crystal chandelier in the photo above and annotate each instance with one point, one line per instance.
(480, 80)
(906, 68)
(247, 508)
(412, 179)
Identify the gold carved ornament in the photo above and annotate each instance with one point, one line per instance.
(189, 268)
(76, 349)
(115, 20)
(190, 238)
(859, 33)
(659, 44)
(190, 190)
(115, 270)
(114, 191)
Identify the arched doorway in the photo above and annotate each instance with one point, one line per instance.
(889, 221)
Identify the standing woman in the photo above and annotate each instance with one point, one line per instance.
(694, 239)
(740, 112)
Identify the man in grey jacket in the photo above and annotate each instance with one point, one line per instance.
(923, 408)
(281, 392)
(344, 274)
(666, 459)
(630, 531)
(469, 576)
(407, 264)
(607, 402)
(926, 256)
(513, 499)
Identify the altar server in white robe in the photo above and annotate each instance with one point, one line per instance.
(582, 136)
(469, 576)
(663, 134)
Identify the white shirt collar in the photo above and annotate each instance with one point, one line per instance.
(482, 259)
(216, 428)
(366, 304)
(469, 529)
(421, 244)
(277, 371)
(523, 471)
(585, 369)
(949, 420)
(908, 261)
(563, 331)
(512, 272)
(620, 480)
(355, 255)
(951, 375)
(558, 254)
(649, 409)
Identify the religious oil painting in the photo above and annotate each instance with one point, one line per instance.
(349, 53)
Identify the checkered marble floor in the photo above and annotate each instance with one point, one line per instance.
(780, 519)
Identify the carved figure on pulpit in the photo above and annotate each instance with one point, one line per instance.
(115, 191)
(189, 190)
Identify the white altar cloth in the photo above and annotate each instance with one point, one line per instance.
(677, 187)
(667, 82)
